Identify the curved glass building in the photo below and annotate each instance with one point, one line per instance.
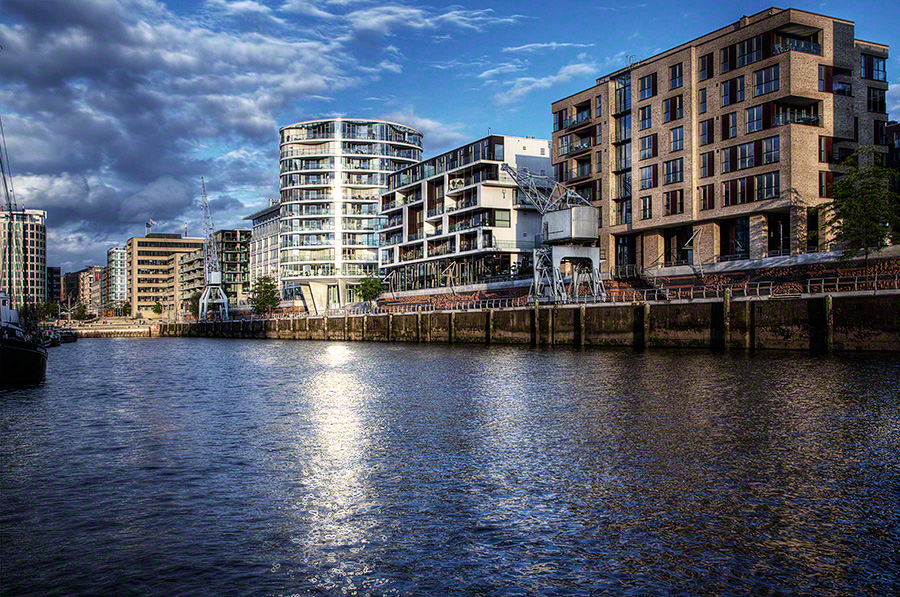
(332, 172)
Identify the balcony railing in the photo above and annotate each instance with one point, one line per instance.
(796, 45)
(578, 119)
(576, 147)
(789, 118)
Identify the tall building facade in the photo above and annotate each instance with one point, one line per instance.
(458, 219)
(149, 271)
(233, 248)
(332, 172)
(264, 240)
(116, 278)
(90, 288)
(54, 285)
(723, 148)
(23, 235)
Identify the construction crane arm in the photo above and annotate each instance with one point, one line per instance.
(543, 192)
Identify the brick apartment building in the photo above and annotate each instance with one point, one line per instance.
(723, 148)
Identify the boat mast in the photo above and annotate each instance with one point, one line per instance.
(9, 194)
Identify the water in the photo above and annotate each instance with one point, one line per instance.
(227, 467)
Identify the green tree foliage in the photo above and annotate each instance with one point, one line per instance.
(265, 298)
(80, 312)
(158, 308)
(194, 307)
(126, 309)
(369, 288)
(863, 207)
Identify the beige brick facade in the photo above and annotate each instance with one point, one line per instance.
(795, 82)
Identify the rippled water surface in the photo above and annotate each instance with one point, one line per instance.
(227, 467)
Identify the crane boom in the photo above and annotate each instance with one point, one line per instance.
(212, 292)
(543, 192)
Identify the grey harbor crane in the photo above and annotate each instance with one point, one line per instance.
(568, 233)
(213, 299)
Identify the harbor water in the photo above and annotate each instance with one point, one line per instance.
(233, 467)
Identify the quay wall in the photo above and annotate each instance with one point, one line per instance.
(129, 332)
(816, 323)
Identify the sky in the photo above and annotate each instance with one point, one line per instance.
(113, 109)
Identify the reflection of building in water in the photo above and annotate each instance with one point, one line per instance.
(331, 174)
(725, 147)
(458, 219)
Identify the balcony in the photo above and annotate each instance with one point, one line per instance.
(579, 172)
(796, 45)
(578, 120)
(577, 147)
(436, 211)
(415, 236)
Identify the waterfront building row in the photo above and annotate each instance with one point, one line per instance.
(23, 237)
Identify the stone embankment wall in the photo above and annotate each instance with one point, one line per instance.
(101, 332)
(812, 323)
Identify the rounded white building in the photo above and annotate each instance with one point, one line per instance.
(332, 172)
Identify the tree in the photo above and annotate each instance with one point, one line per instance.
(369, 288)
(126, 308)
(80, 312)
(158, 308)
(194, 306)
(264, 297)
(864, 206)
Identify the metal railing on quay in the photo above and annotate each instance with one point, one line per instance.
(873, 282)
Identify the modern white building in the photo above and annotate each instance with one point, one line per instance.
(458, 219)
(332, 172)
(23, 233)
(116, 278)
(264, 240)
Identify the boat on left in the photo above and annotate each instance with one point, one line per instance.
(23, 358)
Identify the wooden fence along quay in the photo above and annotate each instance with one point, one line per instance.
(862, 315)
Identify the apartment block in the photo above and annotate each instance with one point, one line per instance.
(725, 147)
(116, 278)
(24, 230)
(150, 270)
(54, 285)
(458, 218)
(264, 242)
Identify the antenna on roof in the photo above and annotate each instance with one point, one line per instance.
(631, 58)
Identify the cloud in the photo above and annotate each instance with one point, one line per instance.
(892, 99)
(519, 88)
(545, 46)
(438, 136)
(508, 67)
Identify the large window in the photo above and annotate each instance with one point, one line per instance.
(623, 156)
(707, 164)
(675, 76)
(745, 155)
(706, 132)
(702, 95)
(674, 202)
(599, 106)
(676, 138)
(727, 166)
(623, 127)
(876, 101)
(749, 51)
(623, 212)
(766, 80)
(733, 91)
(771, 150)
(707, 197)
(825, 181)
(674, 171)
(873, 67)
(673, 108)
(648, 86)
(727, 57)
(767, 186)
(646, 208)
(648, 177)
(754, 119)
(648, 147)
(706, 67)
(623, 92)
(645, 117)
(729, 126)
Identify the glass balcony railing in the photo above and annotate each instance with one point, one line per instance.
(793, 118)
(796, 45)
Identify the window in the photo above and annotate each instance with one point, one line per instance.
(880, 134)
(766, 80)
(674, 202)
(645, 117)
(729, 126)
(726, 161)
(741, 191)
(599, 134)
(726, 194)
(749, 51)
(559, 120)
(771, 150)
(623, 92)
(707, 164)
(825, 181)
(623, 156)
(674, 171)
(623, 128)
(703, 100)
(599, 105)
(876, 102)
(706, 67)
(501, 218)
(623, 185)
(726, 55)
(675, 76)
(648, 147)
(676, 137)
(646, 208)
(767, 186)
(565, 142)
(733, 91)
(706, 132)
(648, 86)
(826, 78)
(623, 212)
(707, 197)
(648, 177)
(673, 108)
(754, 119)
(873, 67)
(745, 155)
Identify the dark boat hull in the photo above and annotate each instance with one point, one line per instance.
(21, 362)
